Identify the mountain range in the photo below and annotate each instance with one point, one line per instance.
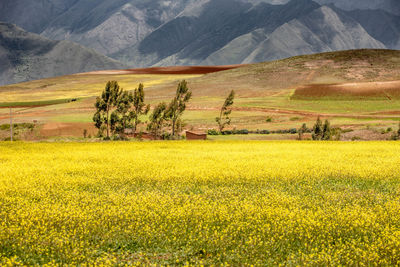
(143, 33)
(27, 56)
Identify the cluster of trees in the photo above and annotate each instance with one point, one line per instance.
(320, 131)
(118, 110)
(169, 116)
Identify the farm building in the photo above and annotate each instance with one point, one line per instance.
(195, 135)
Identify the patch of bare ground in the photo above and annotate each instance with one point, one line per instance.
(57, 129)
(365, 135)
(316, 64)
(388, 90)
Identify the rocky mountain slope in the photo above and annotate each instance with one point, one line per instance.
(177, 32)
(217, 34)
(26, 56)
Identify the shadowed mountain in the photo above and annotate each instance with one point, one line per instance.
(190, 39)
(323, 30)
(381, 25)
(391, 6)
(26, 56)
(109, 26)
(33, 16)
(190, 32)
(219, 35)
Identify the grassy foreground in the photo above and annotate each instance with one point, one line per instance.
(193, 203)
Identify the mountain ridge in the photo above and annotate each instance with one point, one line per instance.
(28, 56)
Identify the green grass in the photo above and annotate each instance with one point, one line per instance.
(322, 106)
(38, 103)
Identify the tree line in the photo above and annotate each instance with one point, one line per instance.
(118, 110)
(320, 131)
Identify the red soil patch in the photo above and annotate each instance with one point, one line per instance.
(386, 90)
(168, 70)
(66, 129)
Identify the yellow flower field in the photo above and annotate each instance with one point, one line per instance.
(200, 203)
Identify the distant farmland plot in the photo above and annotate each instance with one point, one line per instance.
(81, 86)
(349, 91)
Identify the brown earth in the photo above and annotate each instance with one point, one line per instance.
(365, 135)
(54, 129)
(169, 70)
(386, 90)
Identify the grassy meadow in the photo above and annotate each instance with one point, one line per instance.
(200, 203)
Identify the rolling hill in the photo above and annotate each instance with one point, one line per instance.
(357, 90)
(27, 56)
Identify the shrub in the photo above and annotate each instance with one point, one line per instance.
(212, 132)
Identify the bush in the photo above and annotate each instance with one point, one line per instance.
(212, 132)
(269, 119)
(29, 126)
(243, 131)
(394, 137)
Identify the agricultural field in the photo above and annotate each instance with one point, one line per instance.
(181, 203)
(357, 90)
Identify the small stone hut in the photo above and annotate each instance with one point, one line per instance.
(190, 135)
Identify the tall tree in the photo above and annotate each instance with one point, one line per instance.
(224, 118)
(326, 131)
(139, 107)
(178, 104)
(121, 117)
(303, 129)
(317, 130)
(157, 119)
(106, 104)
